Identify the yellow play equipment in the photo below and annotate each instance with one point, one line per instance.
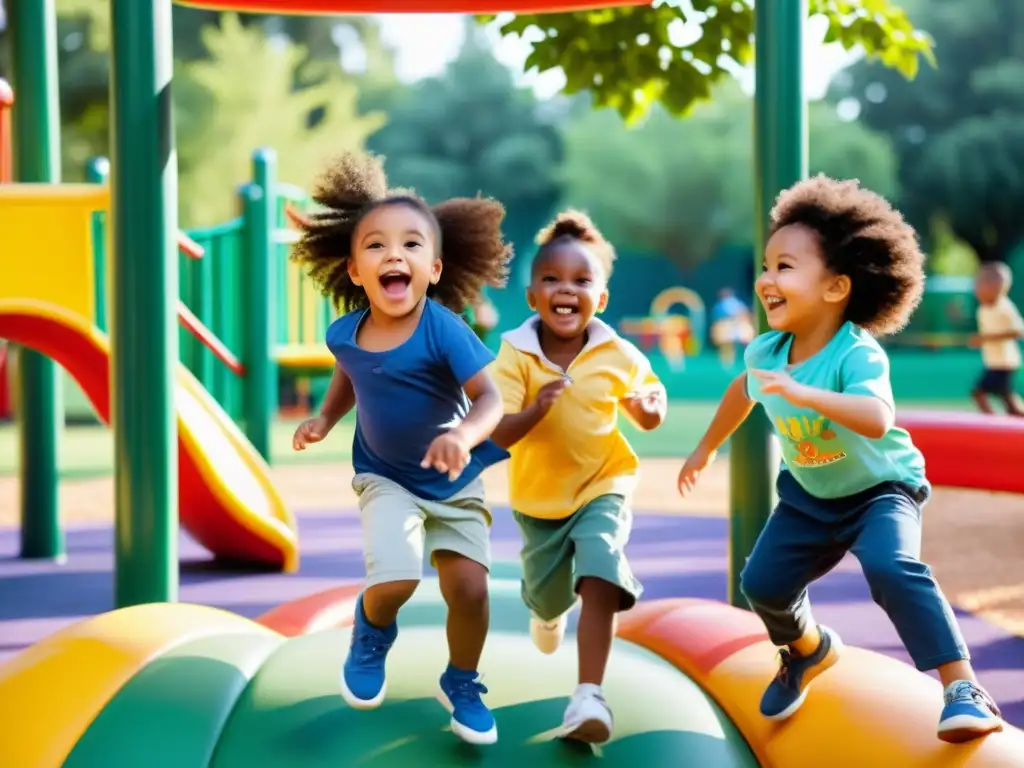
(48, 303)
(677, 335)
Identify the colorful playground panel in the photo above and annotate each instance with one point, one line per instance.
(185, 686)
(227, 501)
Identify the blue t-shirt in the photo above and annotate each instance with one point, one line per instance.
(407, 396)
(827, 459)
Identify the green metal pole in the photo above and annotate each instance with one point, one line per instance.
(204, 298)
(780, 120)
(36, 128)
(97, 171)
(144, 307)
(259, 310)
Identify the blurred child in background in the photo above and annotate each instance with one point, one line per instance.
(1000, 329)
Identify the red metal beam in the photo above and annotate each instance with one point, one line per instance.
(196, 327)
(190, 247)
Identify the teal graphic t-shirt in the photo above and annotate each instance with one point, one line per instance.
(827, 459)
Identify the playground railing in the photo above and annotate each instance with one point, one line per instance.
(244, 304)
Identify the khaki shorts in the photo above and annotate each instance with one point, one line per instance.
(399, 528)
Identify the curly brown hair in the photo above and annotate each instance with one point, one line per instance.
(467, 233)
(575, 226)
(862, 236)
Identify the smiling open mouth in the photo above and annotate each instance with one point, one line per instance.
(564, 310)
(394, 283)
(773, 302)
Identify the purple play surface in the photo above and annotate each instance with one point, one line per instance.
(672, 556)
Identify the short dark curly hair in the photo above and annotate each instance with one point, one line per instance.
(467, 231)
(572, 225)
(862, 236)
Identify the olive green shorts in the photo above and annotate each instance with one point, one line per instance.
(557, 554)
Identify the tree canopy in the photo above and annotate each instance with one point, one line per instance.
(672, 54)
(685, 189)
(469, 131)
(958, 131)
(247, 99)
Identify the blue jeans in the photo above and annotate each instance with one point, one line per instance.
(806, 537)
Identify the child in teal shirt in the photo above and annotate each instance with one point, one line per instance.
(840, 268)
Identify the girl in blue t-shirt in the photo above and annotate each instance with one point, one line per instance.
(840, 267)
(425, 403)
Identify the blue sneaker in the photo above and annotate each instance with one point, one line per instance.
(460, 694)
(788, 690)
(362, 676)
(969, 713)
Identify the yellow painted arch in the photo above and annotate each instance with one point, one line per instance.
(52, 691)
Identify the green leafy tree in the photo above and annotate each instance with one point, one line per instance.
(958, 131)
(684, 189)
(631, 58)
(83, 32)
(469, 131)
(249, 102)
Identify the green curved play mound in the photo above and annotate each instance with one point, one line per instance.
(243, 696)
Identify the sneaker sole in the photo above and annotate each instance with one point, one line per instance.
(826, 664)
(591, 731)
(468, 735)
(356, 703)
(543, 641)
(957, 730)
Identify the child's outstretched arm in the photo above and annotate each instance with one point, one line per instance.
(485, 413)
(866, 415)
(732, 411)
(647, 408)
(449, 452)
(515, 426)
(339, 400)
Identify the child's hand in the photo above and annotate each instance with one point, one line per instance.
(646, 407)
(975, 341)
(650, 401)
(782, 384)
(447, 453)
(549, 393)
(695, 463)
(310, 431)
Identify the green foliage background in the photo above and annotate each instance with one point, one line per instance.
(651, 135)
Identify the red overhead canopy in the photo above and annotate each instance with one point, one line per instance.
(404, 6)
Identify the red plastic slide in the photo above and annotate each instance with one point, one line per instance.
(226, 499)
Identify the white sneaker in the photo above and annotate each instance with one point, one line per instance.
(587, 718)
(547, 635)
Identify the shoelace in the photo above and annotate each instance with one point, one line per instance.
(467, 690)
(370, 647)
(785, 659)
(968, 691)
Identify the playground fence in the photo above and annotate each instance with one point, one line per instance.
(248, 295)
